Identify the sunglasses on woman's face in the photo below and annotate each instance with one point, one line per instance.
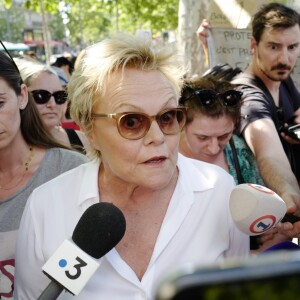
(43, 96)
(208, 97)
(134, 126)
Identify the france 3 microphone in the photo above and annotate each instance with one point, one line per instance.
(255, 209)
(99, 229)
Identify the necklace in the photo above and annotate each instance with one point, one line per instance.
(26, 168)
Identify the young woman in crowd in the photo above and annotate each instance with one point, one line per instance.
(51, 101)
(213, 115)
(29, 156)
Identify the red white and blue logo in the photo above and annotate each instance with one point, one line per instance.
(262, 224)
(261, 188)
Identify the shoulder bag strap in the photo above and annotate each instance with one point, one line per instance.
(236, 162)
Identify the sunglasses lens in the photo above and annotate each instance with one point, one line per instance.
(60, 97)
(232, 97)
(41, 96)
(206, 97)
(133, 126)
(171, 121)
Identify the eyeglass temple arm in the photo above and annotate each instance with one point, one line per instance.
(103, 115)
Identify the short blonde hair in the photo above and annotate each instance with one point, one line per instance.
(30, 69)
(87, 83)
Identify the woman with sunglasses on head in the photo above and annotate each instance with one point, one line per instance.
(213, 115)
(51, 101)
(124, 94)
(29, 156)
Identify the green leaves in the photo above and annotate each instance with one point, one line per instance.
(92, 20)
(51, 6)
(89, 21)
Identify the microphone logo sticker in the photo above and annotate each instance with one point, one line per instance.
(75, 272)
(262, 224)
(261, 188)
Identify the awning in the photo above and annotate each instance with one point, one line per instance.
(14, 46)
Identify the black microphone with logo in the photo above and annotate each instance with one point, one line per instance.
(100, 228)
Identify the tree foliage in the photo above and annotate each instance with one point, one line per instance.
(51, 6)
(57, 27)
(89, 21)
(12, 24)
(155, 15)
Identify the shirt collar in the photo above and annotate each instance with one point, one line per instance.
(89, 182)
(188, 166)
(89, 178)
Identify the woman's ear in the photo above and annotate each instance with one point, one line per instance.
(23, 97)
(91, 139)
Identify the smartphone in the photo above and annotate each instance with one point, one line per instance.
(293, 131)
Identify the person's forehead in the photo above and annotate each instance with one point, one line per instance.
(136, 82)
(204, 119)
(46, 79)
(281, 34)
(135, 88)
(4, 86)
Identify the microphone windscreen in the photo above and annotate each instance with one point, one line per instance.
(99, 229)
(255, 209)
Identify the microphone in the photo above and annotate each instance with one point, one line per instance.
(255, 209)
(100, 228)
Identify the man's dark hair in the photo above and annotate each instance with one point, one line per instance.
(275, 16)
(63, 61)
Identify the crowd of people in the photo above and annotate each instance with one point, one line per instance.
(271, 100)
(165, 149)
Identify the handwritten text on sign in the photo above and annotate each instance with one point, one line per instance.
(232, 46)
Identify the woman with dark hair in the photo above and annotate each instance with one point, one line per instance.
(29, 156)
(213, 116)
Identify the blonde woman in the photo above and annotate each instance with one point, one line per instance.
(125, 96)
(51, 101)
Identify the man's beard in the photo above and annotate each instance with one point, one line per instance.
(279, 77)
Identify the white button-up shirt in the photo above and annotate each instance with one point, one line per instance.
(197, 229)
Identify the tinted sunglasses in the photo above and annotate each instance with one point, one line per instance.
(43, 96)
(134, 126)
(208, 97)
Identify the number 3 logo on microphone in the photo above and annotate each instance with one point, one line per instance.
(81, 263)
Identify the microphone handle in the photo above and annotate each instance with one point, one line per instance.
(290, 218)
(52, 291)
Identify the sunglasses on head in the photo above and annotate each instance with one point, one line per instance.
(134, 126)
(208, 97)
(43, 96)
